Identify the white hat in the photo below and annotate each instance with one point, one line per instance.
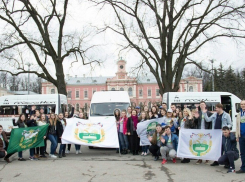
(170, 110)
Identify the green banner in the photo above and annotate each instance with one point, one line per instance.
(26, 138)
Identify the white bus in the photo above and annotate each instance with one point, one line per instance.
(103, 103)
(191, 100)
(14, 105)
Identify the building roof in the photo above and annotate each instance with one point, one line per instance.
(87, 80)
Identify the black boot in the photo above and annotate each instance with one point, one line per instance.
(156, 158)
(136, 152)
(125, 151)
(133, 152)
(60, 156)
(185, 160)
(63, 155)
(215, 163)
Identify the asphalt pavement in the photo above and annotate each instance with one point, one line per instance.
(105, 165)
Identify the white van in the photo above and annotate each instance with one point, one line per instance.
(191, 100)
(17, 104)
(104, 103)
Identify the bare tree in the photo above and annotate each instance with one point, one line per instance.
(166, 34)
(35, 30)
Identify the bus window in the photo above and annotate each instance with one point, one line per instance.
(63, 108)
(238, 107)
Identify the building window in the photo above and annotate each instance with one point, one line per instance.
(130, 92)
(77, 94)
(140, 93)
(149, 93)
(191, 89)
(77, 107)
(69, 94)
(52, 91)
(85, 94)
(121, 89)
(113, 89)
(157, 92)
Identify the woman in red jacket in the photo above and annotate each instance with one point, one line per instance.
(122, 130)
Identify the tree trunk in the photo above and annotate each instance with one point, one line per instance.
(61, 84)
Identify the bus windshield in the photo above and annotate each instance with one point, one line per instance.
(106, 109)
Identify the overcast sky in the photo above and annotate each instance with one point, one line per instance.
(83, 16)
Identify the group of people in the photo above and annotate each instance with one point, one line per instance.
(56, 127)
(164, 141)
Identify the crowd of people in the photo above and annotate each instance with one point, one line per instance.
(164, 141)
(57, 124)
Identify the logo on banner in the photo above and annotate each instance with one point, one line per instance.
(151, 128)
(200, 144)
(28, 138)
(90, 132)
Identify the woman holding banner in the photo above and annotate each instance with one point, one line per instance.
(21, 123)
(188, 123)
(52, 134)
(156, 142)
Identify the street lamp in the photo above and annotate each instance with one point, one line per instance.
(212, 61)
(28, 87)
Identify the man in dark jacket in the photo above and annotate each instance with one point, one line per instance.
(230, 152)
(201, 123)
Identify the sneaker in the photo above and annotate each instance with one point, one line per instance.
(156, 158)
(164, 161)
(174, 160)
(50, 155)
(31, 158)
(215, 163)
(7, 160)
(63, 155)
(76, 151)
(35, 158)
(79, 151)
(60, 156)
(53, 156)
(231, 170)
(240, 171)
(21, 159)
(145, 153)
(199, 162)
(67, 151)
(142, 153)
(207, 162)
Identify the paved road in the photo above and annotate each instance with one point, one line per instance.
(104, 165)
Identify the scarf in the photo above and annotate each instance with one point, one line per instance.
(135, 120)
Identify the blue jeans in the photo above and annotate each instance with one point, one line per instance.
(32, 151)
(145, 148)
(123, 140)
(20, 154)
(242, 150)
(62, 149)
(53, 140)
(77, 147)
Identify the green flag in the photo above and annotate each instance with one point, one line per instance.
(26, 138)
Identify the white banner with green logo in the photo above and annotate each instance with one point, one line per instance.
(97, 132)
(200, 144)
(147, 128)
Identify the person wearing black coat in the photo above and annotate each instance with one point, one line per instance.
(31, 123)
(230, 152)
(131, 131)
(21, 123)
(60, 125)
